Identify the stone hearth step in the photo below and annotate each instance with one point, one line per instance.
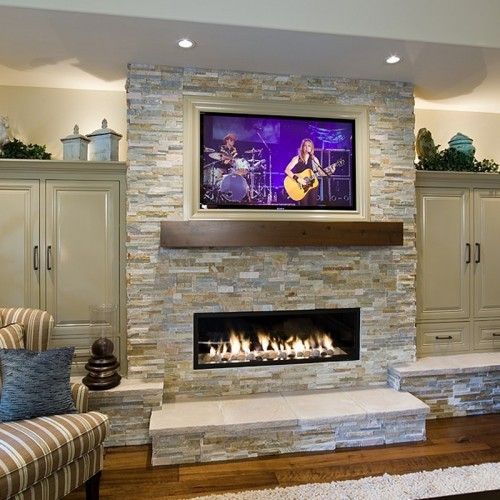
(269, 424)
(452, 386)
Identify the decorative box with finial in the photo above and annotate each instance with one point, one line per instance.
(75, 146)
(104, 143)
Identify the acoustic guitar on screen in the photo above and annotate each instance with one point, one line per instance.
(296, 191)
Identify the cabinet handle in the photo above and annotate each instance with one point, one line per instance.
(496, 335)
(449, 337)
(478, 253)
(49, 257)
(467, 249)
(36, 258)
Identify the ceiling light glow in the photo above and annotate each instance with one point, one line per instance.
(393, 59)
(185, 43)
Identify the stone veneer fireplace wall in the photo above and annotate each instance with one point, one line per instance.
(165, 286)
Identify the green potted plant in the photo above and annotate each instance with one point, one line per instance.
(18, 150)
(459, 157)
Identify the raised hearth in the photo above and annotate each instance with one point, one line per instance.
(452, 386)
(270, 424)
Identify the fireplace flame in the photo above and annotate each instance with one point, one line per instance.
(240, 347)
(263, 340)
(245, 345)
(327, 342)
(235, 343)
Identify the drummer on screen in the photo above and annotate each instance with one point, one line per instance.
(227, 149)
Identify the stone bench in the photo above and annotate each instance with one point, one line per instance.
(268, 424)
(452, 386)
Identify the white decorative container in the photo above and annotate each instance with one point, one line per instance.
(104, 143)
(75, 146)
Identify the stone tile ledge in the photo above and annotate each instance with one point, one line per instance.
(444, 365)
(283, 410)
(127, 387)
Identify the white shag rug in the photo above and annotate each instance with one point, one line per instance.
(435, 483)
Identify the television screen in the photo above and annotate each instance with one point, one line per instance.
(276, 162)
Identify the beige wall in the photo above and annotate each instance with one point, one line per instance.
(43, 116)
(483, 128)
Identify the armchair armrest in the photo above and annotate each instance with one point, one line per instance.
(80, 395)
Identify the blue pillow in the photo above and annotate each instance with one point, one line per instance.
(35, 384)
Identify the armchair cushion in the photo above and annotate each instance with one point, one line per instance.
(35, 384)
(37, 325)
(48, 444)
(11, 336)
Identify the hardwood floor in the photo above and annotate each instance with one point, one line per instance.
(450, 442)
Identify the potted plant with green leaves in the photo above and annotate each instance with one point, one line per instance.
(459, 157)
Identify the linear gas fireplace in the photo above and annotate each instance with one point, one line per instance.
(225, 340)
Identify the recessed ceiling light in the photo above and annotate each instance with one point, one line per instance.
(186, 43)
(393, 59)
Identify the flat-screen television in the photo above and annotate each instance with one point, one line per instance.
(275, 162)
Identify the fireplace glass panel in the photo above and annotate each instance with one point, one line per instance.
(226, 340)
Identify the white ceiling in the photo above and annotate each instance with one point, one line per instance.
(450, 48)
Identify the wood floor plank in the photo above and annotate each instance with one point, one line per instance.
(125, 487)
(438, 446)
(380, 467)
(134, 457)
(450, 442)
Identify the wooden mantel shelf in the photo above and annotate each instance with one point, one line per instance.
(229, 233)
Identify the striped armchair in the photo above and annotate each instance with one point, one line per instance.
(45, 458)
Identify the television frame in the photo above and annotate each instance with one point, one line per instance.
(195, 106)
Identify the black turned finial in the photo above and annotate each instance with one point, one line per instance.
(102, 366)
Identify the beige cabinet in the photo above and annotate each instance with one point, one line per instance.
(19, 242)
(443, 244)
(486, 253)
(458, 270)
(62, 243)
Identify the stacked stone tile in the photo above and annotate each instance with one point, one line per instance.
(129, 408)
(452, 386)
(165, 287)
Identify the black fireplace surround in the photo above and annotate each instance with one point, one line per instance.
(237, 339)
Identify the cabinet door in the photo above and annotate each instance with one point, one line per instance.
(486, 253)
(443, 275)
(82, 255)
(19, 243)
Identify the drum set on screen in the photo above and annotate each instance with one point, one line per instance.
(235, 180)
